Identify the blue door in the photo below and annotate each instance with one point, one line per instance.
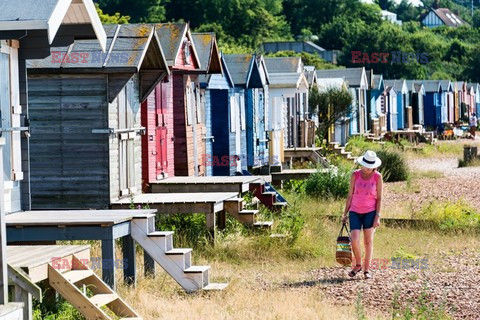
(220, 131)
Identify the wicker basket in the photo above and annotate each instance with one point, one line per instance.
(344, 247)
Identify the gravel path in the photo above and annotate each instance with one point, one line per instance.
(457, 183)
(452, 287)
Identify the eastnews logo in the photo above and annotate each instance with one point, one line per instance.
(89, 57)
(395, 57)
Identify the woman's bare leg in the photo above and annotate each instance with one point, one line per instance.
(368, 243)
(356, 247)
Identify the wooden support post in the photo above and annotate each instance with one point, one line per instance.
(222, 220)
(211, 222)
(149, 265)
(3, 236)
(108, 262)
(129, 261)
(25, 297)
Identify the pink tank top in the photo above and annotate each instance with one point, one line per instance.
(364, 199)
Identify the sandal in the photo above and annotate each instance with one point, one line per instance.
(367, 275)
(354, 271)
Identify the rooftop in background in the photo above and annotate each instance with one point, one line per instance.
(446, 16)
(415, 3)
(284, 65)
(301, 46)
(355, 77)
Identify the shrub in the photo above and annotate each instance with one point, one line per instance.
(394, 166)
(330, 184)
(357, 145)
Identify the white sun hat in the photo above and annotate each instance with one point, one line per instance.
(369, 160)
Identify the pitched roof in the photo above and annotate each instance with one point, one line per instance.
(310, 74)
(50, 15)
(287, 80)
(284, 65)
(353, 76)
(377, 80)
(208, 53)
(448, 17)
(398, 84)
(131, 47)
(432, 85)
(171, 38)
(446, 85)
(240, 67)
(326, 83)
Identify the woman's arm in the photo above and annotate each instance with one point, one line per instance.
(378, 207)
(349, 198)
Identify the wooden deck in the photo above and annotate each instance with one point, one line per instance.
(293, 174)
(239, 184)
(34, 260)
(66, 225)
(171, 203)
(74, 217)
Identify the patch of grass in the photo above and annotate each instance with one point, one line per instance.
(451, 216)
(402, 254)
(430, 174)
(420, 308)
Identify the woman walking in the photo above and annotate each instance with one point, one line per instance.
(364, 204)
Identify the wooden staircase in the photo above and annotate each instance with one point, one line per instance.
(339, 150)
(176, 262)
(236, 208)
(84, 290)
(269, 199)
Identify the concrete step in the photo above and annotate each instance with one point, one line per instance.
(215, 286)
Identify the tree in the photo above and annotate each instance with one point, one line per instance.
(151, 11)
(108, 19)
(330, 105)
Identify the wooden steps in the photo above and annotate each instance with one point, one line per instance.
(236, 208)
(177, 262)
(91, 303)
(339, 150)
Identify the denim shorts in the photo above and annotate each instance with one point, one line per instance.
(359, 221)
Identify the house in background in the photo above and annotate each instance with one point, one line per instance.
(85, 118)
(183, 97)
(356, 79)
(301, 46)
(390, 16)
(441, 17)
(401, 90)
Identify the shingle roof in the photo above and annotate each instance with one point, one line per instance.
(376, 80)
(353, 76)
(284, 65)
(446, 84)
(326, 83)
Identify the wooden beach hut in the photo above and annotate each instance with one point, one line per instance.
(183, 97)
(433, 103)
(213, 79)
(401, 89)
